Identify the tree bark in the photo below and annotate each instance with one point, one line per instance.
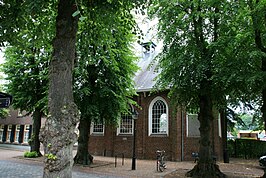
(83, 156)
(58, 135)
(35, 142)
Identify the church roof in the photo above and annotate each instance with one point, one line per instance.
(147, 73)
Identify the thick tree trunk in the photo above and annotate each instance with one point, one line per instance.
(35, 142)
(83, 156)
(58, 135)
(206, 167)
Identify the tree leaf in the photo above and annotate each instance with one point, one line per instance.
(76, 13)
(82, 18)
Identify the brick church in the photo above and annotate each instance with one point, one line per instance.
(158, 127)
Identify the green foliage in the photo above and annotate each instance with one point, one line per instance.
(50, 156)
(29, 89)
(190, 32)
(249, 122)
(105, 68)
(210, 41)
(4, 113)
(29, 154)
(27, 59)
(105, 29)
(241, 56)
(21, 17)
(246, 148)
(246, 71)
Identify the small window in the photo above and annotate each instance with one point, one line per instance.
(1, 132)
(126, 124)
(26, 133)
(17, 133)
(97, 128)
(8, 135)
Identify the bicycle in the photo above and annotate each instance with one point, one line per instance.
(161, 166)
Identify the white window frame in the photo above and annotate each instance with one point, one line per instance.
(17, 133)
(8, 134)
(94, 132)
(150, 116)
(26, 133)
(1, 132)
(9, 128)
(130, 119)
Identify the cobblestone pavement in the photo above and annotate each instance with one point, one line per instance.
(11, 169)
(102, 167)
(12, 164)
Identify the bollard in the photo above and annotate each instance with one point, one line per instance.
(123, 159)
(115, 160)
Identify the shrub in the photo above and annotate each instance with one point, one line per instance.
(32, 154)
(246, 148)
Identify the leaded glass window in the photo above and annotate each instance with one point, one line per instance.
(158, 116)
(126, 124)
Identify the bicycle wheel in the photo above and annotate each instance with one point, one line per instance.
(161, 167)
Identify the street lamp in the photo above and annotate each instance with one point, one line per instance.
(134, 117)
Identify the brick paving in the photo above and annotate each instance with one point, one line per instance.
(12, 164)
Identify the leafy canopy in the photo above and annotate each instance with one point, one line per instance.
(208, 40)
(28, 53)
(105, 65)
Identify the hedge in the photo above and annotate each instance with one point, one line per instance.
(246, 148)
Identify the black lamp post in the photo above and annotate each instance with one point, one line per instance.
(134, 117)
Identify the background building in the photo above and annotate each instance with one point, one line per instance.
(16, 128)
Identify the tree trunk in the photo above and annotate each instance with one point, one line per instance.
(35, 142)
(206, 167)
(224, 135)
(83, 156)
(58, 135)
